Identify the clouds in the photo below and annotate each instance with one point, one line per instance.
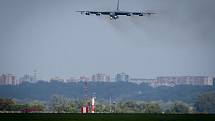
(50, 37)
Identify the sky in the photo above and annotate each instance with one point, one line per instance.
(50, 37)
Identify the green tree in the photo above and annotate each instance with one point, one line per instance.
(18, 107)
(60, 104)
(5, 104)
(152, 108)
(37, 106)
(125, 107)
(73, 107)
(101, 107)
(137, 107)
(206, 102)
(179, 107)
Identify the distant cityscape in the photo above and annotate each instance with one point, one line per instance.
(169, 81)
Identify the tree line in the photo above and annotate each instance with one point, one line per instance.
(104, 90)
(205, 103)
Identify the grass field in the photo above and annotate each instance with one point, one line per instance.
(105, 117)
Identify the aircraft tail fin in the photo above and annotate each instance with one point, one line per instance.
(118, 6)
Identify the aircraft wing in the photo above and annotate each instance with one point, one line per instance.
(115, 12)
(133, 13)
(94, 12)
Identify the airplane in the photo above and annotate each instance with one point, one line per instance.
(114, 15)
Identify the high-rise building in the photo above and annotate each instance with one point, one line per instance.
(56, 78)
(142, 80)
(27, 78)
(172, 81)
(213, 81)
(185, 80)
(32, 78)
(122, 77)
(9, 79)
(35, 76)
(73, 79)
(84, 78)
(101, 77)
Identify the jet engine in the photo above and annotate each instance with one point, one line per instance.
(98, 14)
(129, 14)
(87, 13)
(141, 14)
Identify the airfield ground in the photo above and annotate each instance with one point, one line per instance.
(106, 117)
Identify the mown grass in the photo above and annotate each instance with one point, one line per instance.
(106, 117)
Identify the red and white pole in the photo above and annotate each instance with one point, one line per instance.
(93, 105)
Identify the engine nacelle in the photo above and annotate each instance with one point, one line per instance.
(141, 14)
(87, 13)
(129, 14)
(98, 14)
(149, 14)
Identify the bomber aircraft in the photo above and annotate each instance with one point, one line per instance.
(116, 13)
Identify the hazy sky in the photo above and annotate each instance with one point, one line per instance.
(49, 36)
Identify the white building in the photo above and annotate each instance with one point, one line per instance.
(101, 77)
(122, 77)
(27, 78)
(9, 79)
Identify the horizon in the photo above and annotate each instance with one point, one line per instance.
(53, 39)
(107, 74)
